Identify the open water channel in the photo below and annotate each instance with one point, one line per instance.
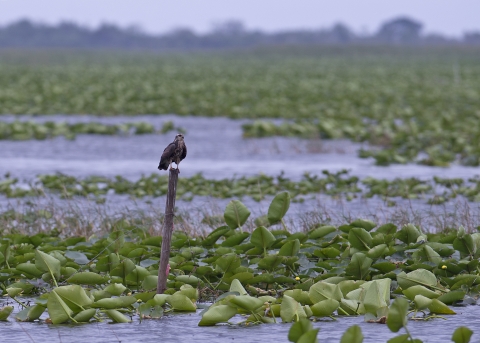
(217, 150)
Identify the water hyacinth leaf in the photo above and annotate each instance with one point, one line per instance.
(411, 292)
(322, 232)
(217, 314)
(298, 329)
(462, 334)
(359, 266)
(124, 268)
(309, 337)
(180, 302)
(451, 297)
(290, 248)
(112, 303)
(366, 224)
(215, 235)
(77, 256)
(262, 238)
(377, 251)
(278, 207)
(57, 309)
(421, 302)
(31, 313)
(301, 296)
(189, 291)
(465, 244)
(360, 238)
(236, 214)
(14, 291)
(397, 314)
(117, 316)
(107, 263)
(5, 312)
(30, 269)
(228, 263)
(236, 286)
(436, 306)
(432, 255)
(323, 290)
(417, 277)
(352, 335)
(247, 303)
(291, 310)
(325, 308)
(85, 316)
(235, 239)
(74, 296)
(115, 289)
(270, 262)
(188, 279)
(243, 277)
(408, 234)
(87, 278)
(47, 263)
(150, 282)
(374, 299)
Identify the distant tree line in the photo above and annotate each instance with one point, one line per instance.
(25, 33)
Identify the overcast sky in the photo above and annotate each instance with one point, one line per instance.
(449, 17)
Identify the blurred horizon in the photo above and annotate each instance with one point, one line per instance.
(441, 17)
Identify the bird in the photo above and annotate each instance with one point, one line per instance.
(174, 152)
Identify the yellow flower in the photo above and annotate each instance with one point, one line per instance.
(444, 267)
(297, 278)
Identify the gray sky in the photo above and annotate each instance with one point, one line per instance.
(450, 17)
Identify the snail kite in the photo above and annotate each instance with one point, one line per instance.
(174, 152)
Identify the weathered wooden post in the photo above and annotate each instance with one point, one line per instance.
(167, 231)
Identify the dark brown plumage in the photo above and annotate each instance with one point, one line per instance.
(174, 152)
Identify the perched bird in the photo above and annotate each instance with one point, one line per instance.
(174, 152)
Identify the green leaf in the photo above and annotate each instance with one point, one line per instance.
(397, 314)
(217, 314)
(117, 316)
(359, 266)
(48, 264)
(322, 231)
(359, 238)
(115, 289)
(279, 207)
(405, 338)
(421, 302)
(181, 302)
(411, 292)
(291, 310)
(87, 278)
(323, 290)
(436, 306)
(5, 312)
(124, 268)
(235, 239)
(262, 238)
(309, 337)
(236, 286)
(298, 329)
(247, 303)
(325, 308)
(31, 313)
(236, 214)
(374, 299)
(408, 234)
(417, 277)
(85, 316)
(57, 309)
(74, 296)
(377, 251)
(188, 279)
(228, 263)
(112, 303)
(352, 335)
(290, 248)
(462, 334)
(13, 291)
(364, 224)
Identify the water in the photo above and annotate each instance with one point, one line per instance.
(217, 150)
(184, 328)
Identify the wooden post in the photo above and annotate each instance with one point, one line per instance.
(167, 231)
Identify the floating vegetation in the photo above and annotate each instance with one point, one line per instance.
(28, 130)
(409, 103)
(267, 275)
(435, 191)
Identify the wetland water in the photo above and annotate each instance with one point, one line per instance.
(217, 150)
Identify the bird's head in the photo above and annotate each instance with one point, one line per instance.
(179, 137)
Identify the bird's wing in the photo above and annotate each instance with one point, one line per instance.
(184, 152)
(168, 152)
